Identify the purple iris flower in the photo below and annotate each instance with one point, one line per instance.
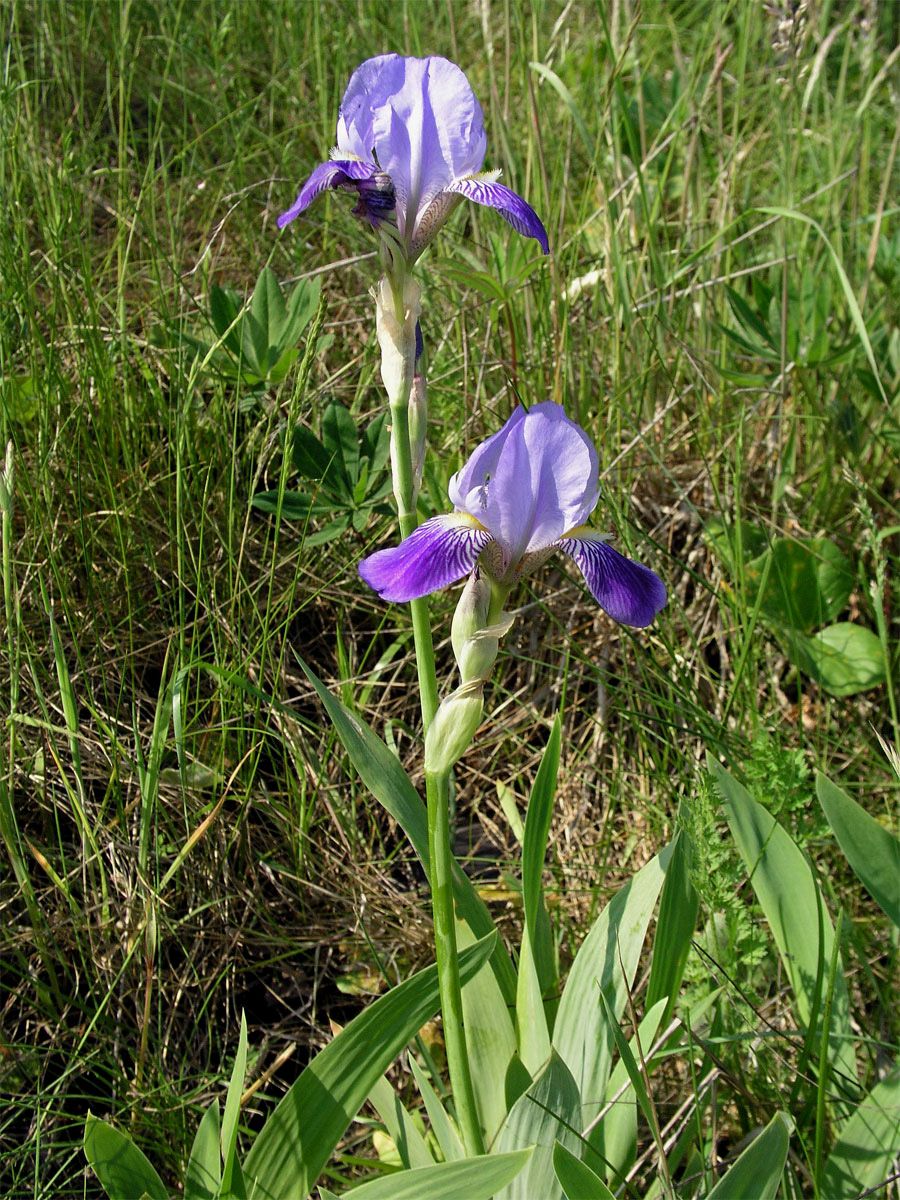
(410, 142)
(525, 492)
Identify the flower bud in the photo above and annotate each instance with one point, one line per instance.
(475, 643)
(453, 728)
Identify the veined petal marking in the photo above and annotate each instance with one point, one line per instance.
(516, 211)
(631, 593)
(434, 555)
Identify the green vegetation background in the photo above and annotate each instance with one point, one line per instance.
(189, 840)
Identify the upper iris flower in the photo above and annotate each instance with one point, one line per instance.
(410, 142)
(525, 492)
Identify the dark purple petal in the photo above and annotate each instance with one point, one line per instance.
(530, 483)
(630, 593)
(508, 204)
(327, 175)
(439, 552)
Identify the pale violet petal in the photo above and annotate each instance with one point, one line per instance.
(420, 120)
(632, 594)
(327, 175)
(439, 552)
(508, 204)
(531, 482)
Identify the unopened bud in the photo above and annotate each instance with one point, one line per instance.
(475, 643)
(453, 728)
(418, 426)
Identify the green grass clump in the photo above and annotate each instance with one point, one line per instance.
(184, 834)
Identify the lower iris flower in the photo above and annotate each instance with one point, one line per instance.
(524, 493)
(410, 143)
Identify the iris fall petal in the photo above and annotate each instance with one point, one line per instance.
(631, 593)
(435, 554)
(516, 211)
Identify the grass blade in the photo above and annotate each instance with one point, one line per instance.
(678, 908)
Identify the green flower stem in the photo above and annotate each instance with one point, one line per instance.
(404, 493)
(421, 620)
(437, 788)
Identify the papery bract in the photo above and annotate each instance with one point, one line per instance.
(525, 492)
(410, 142)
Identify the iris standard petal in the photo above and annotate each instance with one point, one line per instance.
(531, 482)
(327, 175)
(420, 120)
(439, 552)
(508, 204)
(630, 593)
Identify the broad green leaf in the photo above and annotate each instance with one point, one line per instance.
(795, 910)
(254, 345)
(328, 532)
(124, 1171)
(282, 364)
(268, 313)
(383, 775)
(581, 1034)
(872, 852)
(534, 853)
(532, 1033)
(299, 1136)
(756, 1173)
(224, 306)
(735, 542)
(490, 1039)
(441, 1125)
(868, 1144)
(537, 975)
(375, 443)
(677, 923)
(232, 1112)
(843, 658)
(341, 439)
(808, 583)
(299, 311)
(576, 1178)
(204, 1170)
(549, 1112)
(411, 1146)
(309, 456)
(474, 1178)
(295, 506)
